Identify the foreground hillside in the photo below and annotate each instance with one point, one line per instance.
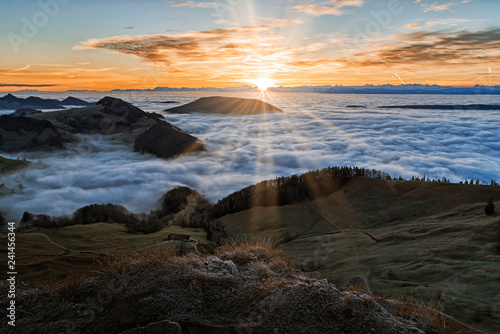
(426, 240)
(247, 288)
(431, 242)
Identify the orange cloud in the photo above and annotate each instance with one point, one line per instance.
(246, 50)
(413, 26)
(241, 54)
(433, 49)
(437, 7)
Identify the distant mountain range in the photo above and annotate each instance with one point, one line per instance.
(10, 101)
(329, 89)
(393, 89)
(338, 89)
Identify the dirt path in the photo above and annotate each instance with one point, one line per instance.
(194, 243)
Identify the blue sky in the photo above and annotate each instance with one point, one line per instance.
(126, 44)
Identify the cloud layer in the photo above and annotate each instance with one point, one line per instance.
(317, 131)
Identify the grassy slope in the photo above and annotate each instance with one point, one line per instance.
(38, 260)
(435, 242)
(10, 165)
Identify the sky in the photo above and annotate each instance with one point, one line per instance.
(58, 45)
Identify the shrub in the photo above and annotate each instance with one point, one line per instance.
(489, 209)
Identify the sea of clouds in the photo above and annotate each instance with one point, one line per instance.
(316, 131)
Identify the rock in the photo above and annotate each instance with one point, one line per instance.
(214, 264)
(226, 106)
(196, 294)
(166, 141)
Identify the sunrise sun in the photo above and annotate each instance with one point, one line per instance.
(263, 83)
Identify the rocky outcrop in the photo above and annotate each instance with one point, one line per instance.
(166, 141)
(226, 106)
(242, 289)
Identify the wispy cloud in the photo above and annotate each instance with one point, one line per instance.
(413, 26)
(245, 50)
(332, 7)
(193, 4)
(284, 22)
(447, 22)
(434, 48)
(435, 7)
(243, 53)
(25, 85)
(22, 68)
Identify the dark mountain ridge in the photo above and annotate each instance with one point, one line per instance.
(10, 101)
(225, 106)
(109, 116)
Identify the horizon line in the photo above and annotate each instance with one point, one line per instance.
(235, 87)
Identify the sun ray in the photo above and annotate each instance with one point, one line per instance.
(263, 84)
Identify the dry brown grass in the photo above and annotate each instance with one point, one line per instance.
(245, 250)
(249, 285)
(428, 316)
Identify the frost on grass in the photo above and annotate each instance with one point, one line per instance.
(242, 288)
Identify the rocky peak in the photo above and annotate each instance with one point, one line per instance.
(9, 97)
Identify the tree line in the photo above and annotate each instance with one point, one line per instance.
(291, 189)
